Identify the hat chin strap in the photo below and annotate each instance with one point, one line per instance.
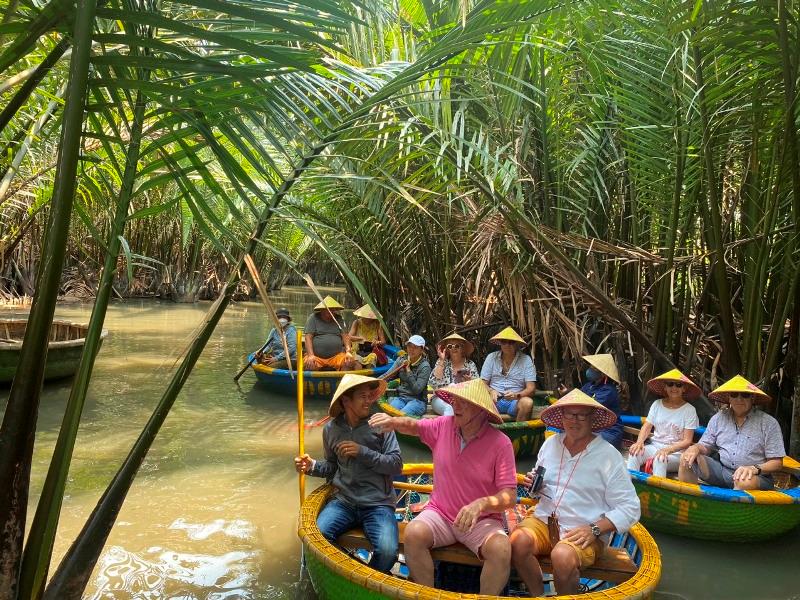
(478, 414)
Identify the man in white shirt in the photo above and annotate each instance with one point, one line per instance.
(586, 495)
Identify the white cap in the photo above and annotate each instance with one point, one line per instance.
(417, 340)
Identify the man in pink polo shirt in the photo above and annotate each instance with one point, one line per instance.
(475, 482)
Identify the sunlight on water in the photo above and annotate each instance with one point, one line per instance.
(213, 512)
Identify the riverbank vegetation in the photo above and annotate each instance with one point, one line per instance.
(617, 174)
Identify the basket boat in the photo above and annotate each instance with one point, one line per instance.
(526, 436)
(63, 350)
(337, 574)
(318, 384)
(714, 513)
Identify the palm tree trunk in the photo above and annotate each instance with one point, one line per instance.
(39, 545)
(714, 233)
(19, 423)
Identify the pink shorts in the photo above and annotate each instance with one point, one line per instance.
(445, 533)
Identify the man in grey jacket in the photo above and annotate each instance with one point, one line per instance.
(360, 461)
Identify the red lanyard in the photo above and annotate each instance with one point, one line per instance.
(566, 484)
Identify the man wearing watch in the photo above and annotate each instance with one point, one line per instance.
(586, 495)
(748, 440)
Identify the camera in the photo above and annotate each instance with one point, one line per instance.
(538, 480)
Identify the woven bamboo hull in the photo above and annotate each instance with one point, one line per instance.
(318, 384)
(337, 576)
(526, 436)
(712, 513)
(63, 351)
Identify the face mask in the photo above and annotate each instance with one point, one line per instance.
(283, 321)
(592, 374)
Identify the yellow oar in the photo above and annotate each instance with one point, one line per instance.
(301, 430)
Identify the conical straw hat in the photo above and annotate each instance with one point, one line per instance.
(508, 334)
(474, 391)
(469, 347)
(348, 382)
(603, 363)
(365, 312)
(601, 419)
(330, 303)
(657, 384)
(738, 384)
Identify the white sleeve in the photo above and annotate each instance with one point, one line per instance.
(621, 494)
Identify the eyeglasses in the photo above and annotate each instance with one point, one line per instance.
(453, 347)
(740, 395)
(575, 416)
(675, 384)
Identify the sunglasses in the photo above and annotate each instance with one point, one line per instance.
(675, 384)
(576, 416)
(742, 395)
(503, 342)
(453, 347)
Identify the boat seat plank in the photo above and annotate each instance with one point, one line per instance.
(614, 565)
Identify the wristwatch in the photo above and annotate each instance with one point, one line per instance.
(758, 469)
(595, 530)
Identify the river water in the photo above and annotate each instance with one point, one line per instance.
(213, 512)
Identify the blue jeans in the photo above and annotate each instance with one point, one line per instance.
(378, 522)
(507, 407)
(413, 407)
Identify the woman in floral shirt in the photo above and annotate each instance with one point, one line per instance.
(453, 366)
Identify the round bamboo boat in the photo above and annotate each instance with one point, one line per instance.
(526, 436)
(318, 384)
(714, 513)
(63, 351)
(336, 574)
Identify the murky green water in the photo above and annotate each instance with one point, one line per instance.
(213, 513)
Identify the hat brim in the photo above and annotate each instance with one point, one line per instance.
(468, 346)
(723, 398)
(605, 364)
(658, 385)
(365, 312)
(336, 407)
(602, 418)
(448, 397)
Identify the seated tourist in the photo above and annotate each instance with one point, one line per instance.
(674, 421)
(602, 378)
(326, 343)
(412, 393)
(511, 375)
(453, 366)
(361, 463)
(272, 353)
(367, 337)
(748, 440)
(585, 495)
(475, 482)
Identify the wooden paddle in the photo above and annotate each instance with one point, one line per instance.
(250, 362)
(301, 430)
(262, 292)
